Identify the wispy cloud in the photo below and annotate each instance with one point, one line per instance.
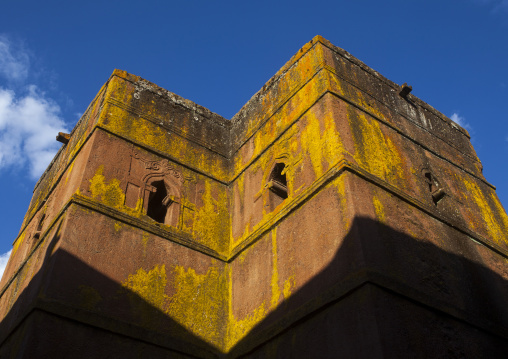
(461, 121)
(14, 60)
(29, 120)
(4, 258)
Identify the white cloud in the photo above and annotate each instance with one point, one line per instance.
(3, 261)
(29, 121)
(461, 121)
(14, 61)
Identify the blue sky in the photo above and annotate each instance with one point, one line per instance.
(55, 55)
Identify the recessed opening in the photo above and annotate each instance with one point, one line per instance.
(277, 186)
(41, 222)
(37, 233)
(428, 176)
(156, 207)
(435, 189)
(278, 182)
(438, 195)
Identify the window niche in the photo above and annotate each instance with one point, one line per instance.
(38, 230)
(436, 190)
(162, 207)
(154, 188)
(277, 186)
(156, 208)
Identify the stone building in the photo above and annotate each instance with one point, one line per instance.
(336, 215)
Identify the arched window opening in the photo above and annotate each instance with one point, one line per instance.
(278, 182)
(158, 202)
(277, 186)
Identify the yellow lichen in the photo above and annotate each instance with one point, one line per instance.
(275, 272)
(243, 254)
(144, 238)
(150, 286)
(335, 83)
(199, 303)
(297, 104)
(18, 242)
(151, 135)
(322, 143)
(211, 223)
(496, 229)
(118, 226)
(147, 294)
(340, 184)
(241, 186)
(369, 105)
(501, 212)
(379, 209)
(239, 328)
(374, 151)
(139, 206)
(288, 285)
(69, 171)
(109, 193)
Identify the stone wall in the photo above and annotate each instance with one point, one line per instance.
(332, 214)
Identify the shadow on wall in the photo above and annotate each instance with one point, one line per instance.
(385, 294)
(56, 324)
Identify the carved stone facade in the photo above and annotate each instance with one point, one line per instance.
(336, 215)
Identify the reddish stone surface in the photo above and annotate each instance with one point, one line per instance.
(331, 217)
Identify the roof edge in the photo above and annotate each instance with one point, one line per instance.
(177, 99)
